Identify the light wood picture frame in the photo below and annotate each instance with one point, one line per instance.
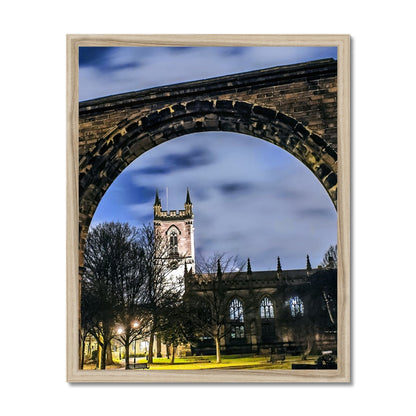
(340, 193)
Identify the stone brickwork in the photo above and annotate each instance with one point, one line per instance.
(294, 107)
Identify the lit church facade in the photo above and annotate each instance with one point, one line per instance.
(286, 311)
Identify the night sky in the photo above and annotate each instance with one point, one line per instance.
(251, 198)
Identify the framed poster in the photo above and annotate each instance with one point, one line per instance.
(208, 208)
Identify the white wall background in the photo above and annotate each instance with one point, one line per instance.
(33, 204)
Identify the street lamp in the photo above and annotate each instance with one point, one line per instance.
(135, 326)
(119, 332)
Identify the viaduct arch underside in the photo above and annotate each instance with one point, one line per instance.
(293, 107)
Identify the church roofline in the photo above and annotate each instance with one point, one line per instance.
(293, 277)
(264, 274)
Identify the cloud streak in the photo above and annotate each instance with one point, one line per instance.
(252, 199)
(106, 71)
(175, 161)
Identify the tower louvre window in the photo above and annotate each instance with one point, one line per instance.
(173, 244)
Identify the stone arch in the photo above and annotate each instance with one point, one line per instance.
(139, 133)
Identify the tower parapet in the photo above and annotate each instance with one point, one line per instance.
(173, 215)
(183, 214)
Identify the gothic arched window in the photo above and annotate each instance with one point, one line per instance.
(237, 320)
(236, 311)
(296, 306)
(266, 309)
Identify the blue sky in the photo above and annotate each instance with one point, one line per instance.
(250, 197)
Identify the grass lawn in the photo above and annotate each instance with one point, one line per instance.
(227, 361)
(255, 362)
(115, 366)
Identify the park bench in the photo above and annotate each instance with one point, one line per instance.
(137, 366)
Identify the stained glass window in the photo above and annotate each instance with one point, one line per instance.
(236, 311)
(296, 306)
(266, 309)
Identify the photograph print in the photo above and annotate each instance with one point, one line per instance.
(208, 211)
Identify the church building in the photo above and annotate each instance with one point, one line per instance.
(286, 311)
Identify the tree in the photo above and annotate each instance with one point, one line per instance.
(330, 259)
(133, 328)
(209, 301)
(162, 293)
(320, 310)
(324, 286)
(175, 328)
(112, 283)
(87, 322)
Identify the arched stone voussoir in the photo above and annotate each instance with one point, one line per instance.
(143, 132)
(292, 106)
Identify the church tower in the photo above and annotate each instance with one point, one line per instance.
(178, 230)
